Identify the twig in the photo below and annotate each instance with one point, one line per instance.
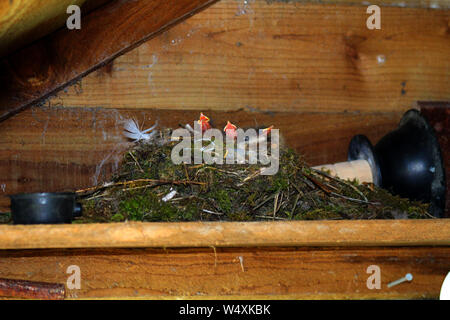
(275, 205)
(141, 187)
(140, 168)
(262, 203)
(295, 205)
(318, 184)
(97, 196)
(270, 217)
(187, 176)
(341, 181)
(184, 198)
(31, 289)
(122, 183)
(197, 166)
(253, 175)
(353, 199)
(280, 201)
(212, 212)
(224, 171)
(186, 172)
(300, 192)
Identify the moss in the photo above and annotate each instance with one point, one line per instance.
(222, 198)
(240, 216)
(5, 218)
(317, 214)
(279, 183)
(234, 192)
(117, 217)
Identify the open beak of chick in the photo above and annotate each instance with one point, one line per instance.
(266, 131)
(230, 130)
(203, 121)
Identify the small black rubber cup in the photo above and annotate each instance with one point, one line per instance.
(44, 208)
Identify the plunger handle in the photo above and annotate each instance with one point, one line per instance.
(349, 170)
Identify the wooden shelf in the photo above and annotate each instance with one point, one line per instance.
(434, 232)
(231, 260)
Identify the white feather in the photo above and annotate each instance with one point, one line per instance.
(169, 196)
(132, 131)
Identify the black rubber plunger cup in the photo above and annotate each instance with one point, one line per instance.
(44, 208)
(407, 161)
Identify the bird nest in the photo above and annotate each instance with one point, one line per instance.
(149, 186)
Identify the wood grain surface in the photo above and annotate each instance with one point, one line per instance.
(219, 62)
(228, 234)
(265, 273)
(433, 4)
(438, 115)
(64, 149)
(34, 72)
(23, 21)
(281, 56)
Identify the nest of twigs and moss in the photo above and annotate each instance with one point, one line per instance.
(150, 187)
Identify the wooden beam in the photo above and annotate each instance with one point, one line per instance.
(280, 56)
(33, 73)
(24, 21)
(235, 273)
(433, 4)
(64, 149)
(228, 234)
(438, 115)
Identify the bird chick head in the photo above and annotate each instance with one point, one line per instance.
(203, 121)
(230, 130)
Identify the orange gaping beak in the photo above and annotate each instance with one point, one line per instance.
(230, 130)
(229, 126)
(267, 130)
(203, 118)
(203, 121)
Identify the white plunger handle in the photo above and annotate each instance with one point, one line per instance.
(349, 170)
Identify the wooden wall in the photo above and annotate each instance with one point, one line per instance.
(281, 56)
(235, 273)
(23, 21)
(313, 70)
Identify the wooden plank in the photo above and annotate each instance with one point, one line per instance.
(67, 55)
(23, 21)
(281, 56)
(228, 234)
(433, 4)
(64, 149)
(265, 273)
(438, 115)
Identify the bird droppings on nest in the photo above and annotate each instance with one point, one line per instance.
(150, 187)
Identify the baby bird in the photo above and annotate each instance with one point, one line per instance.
(230, 130)
(204, 122)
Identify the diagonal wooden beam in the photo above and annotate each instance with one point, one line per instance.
(33, 73)
(25, 21)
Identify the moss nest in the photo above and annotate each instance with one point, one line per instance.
(140, 191)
